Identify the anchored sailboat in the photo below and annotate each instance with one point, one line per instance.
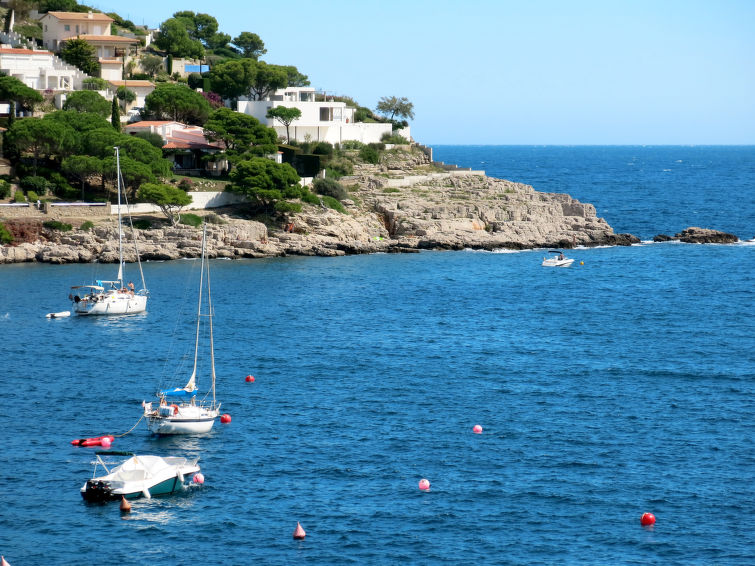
(178, 411)
(112, 297)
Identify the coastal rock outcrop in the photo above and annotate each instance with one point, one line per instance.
(694, 235)
(404, 204)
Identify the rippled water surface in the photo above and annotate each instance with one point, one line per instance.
(620, 386)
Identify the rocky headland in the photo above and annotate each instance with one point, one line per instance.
(404, 204)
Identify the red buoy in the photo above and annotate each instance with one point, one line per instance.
(225, 418)
(250, 379)
(424, 484)
(299, 532)
(647, 520)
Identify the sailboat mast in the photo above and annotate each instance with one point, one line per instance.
(199, 313)
(120, 225)
(210, 314)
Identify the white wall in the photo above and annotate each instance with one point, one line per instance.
(199, 200)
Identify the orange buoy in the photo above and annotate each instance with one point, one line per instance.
(250, 379)
(225, 418)
(125, 505)
(647, 520)
(424, 484)
(477, 429)
(299, 532)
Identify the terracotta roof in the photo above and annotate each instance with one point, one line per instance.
(150, 123)
(81, 16)
(107, 38)
(14, 50)
(134, 83)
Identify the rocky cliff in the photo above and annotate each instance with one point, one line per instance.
(404, 204)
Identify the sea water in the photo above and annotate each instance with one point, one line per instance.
(619, 386)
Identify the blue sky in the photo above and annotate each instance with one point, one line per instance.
(513, 72)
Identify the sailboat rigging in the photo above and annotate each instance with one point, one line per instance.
(178, 411)
(113, 297)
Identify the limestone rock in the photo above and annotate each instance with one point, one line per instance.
(695, 235)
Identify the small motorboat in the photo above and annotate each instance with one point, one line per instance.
(559, 260)
(138, 476)
(61, 314)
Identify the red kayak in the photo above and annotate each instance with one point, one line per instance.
(92, 441)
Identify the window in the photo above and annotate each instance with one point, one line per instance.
(326, 114)
(67, 27)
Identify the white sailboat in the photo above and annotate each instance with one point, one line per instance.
(112, 297)
(178, 411)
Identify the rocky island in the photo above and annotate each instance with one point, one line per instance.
(404, 204)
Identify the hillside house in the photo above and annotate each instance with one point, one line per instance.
(113, 51)
(324, 120)
(140, 88)
(186, 146)
(39, 70)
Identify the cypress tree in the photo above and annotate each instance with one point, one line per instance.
(115, 115)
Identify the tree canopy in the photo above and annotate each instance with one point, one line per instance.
(285, 116)
(174, 39)
(12, 89)
(396, 107)
(200, 27)
(250, 44)
(177, 102)
(80, 54)
(169, 198)
(87, 101)
(246, 77)
(243, 135)
(266, 182)
(39, 137)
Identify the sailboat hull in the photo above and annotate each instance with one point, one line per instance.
(188, 419)
(113, 303)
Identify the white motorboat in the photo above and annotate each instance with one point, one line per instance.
(178, 411)
(112, 297)
(138, 476)
(559, 260)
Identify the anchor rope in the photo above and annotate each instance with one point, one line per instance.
(129, 430)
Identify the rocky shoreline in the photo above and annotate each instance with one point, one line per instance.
(403, 205)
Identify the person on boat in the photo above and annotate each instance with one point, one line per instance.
(561, 256)
(131, 287)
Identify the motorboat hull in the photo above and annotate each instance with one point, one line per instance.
(140, 476)
(555, 262)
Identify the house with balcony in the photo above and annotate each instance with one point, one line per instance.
(186, 146)
(40, 70)
(113, 51)
(321, 120)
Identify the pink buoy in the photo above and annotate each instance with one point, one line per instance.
(250, 379)
(299, 532)
(477, 429)
(106, 442)
(424, 484)
(198, 478)
(225, 418)
(125, 505)
(647, 520)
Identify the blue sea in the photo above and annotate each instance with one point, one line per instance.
(620, 386)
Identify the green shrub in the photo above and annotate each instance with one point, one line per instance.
(142, 224)
(5, 236)
(352, 144)
(330, 188)
(284, 206)
(333, 203)
(323, 148)
(4, 188)
(57, 225)
(19, 196)
(337, 168)
(32, 196)
(394, 139)
(190, 219)
(370, 155)
(94, 83)
(87, 225)
(310, 198)
(34, 183)
(185, 184)
(213, 218)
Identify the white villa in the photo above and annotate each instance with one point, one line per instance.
(327, 120)
(40, 70)
(94, 28)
